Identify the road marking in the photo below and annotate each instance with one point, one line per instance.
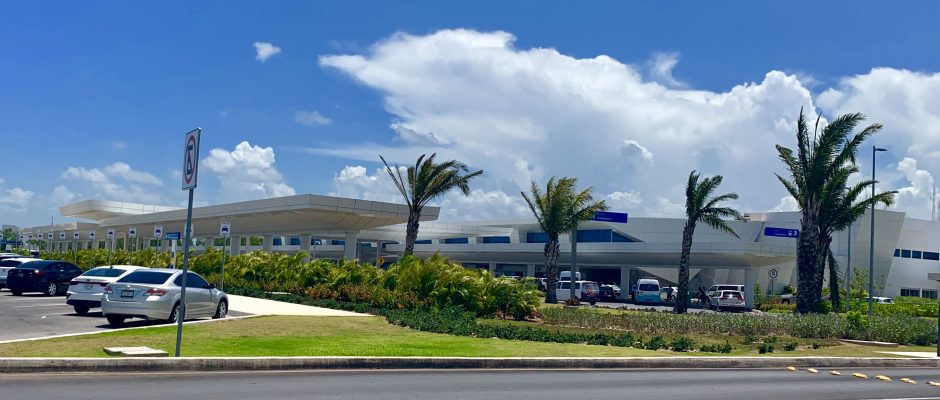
(858, 375)
(791, 369)
(200, 321)
(812, 370)
(44, 305)
(837, 373)
(882, 378)
(932, 383)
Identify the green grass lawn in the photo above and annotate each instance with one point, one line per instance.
(350, 336)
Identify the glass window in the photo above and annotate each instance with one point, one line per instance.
(196, 281)
(929, 255)
(910, 292)
(897, 252)
(294, 241)
(915, 254)
(105, 272)
(649, 287)
(616, 237)
(338, 242)
(564, 285)
(929, 294)
(595, 236)
(456, 241)
(146, 277)
(496, 239)
(422, 242)
(536, 237)
(905, 253)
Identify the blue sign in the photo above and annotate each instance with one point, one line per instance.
(172, 236)
(607, 216)
(782, 232)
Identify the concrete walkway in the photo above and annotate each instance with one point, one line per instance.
(257, 306)
(919, 354)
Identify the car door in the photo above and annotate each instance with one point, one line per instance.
(199, 290)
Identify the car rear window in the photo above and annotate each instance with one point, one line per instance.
(649, 287)
(9, 263)
(106, 272)
(147, 277)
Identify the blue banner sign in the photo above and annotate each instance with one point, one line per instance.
(781, 232)
(172, 236)
(607, 216)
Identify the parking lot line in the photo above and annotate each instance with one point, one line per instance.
(45, 305)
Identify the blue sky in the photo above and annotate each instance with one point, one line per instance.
(96, 96)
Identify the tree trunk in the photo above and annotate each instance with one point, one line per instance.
(411, 232)
(682, 298)
(552, 250)
(807, 264)
(833, 277)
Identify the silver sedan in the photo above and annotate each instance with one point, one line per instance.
(155, 294)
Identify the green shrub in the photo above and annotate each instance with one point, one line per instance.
(682, 344)
(765, 348)
(715, 348)
(655, 343)
(791, 346)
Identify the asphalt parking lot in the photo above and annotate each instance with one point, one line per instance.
(34, 315)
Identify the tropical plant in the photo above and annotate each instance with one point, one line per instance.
(426, 181)
(558, 210)
(701, 205)
(819, 174)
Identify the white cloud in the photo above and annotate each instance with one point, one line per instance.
(125, 171)
(623, 200)
(247, 172)
(265, 50)
(61, 195)
(787, 203)
(119, 145)
(311, 118)
(15, 200)
(661, 67)
(524, 114)
(915, 199)
(101, 184)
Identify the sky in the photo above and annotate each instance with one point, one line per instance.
(302, 97)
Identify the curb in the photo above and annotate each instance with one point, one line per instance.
(143, 364)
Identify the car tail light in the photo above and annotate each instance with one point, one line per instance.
(107, 289)
(155, 292)
(38, 273)
(73, 283)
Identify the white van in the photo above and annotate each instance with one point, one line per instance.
(647, 291)
(714, 289)
(587, 291)
(566, 276)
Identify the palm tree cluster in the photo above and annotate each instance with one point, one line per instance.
(820, 170)
(819, 181)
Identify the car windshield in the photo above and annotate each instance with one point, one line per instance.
(147, 277)
(105, 272)
(649, 287)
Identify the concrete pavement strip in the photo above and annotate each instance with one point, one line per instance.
(138, 364)
(201, 321)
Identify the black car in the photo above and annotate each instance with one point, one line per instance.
(48, 277)
(609, 293)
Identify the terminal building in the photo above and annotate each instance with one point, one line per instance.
(763, 254)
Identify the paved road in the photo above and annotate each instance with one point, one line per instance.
(34, 315)
(459, 385)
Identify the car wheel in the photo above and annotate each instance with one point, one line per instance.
(81, 310)
(116, 320)
(16, 292)
(175, 314)
(52, 289)
(593, 303)
(221, 310)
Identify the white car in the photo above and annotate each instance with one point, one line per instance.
(9, 263)
(155, 294)
(86, 289)
(728, 300)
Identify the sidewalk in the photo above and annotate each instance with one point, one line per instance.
(257, 306)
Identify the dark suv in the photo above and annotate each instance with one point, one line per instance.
(48, 277)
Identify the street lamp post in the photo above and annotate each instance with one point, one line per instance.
(871, 244)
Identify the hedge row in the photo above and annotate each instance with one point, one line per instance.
(898, 329)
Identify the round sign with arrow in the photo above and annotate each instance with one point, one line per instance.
(773, 273)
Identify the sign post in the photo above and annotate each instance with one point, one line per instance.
(603, 216)
(158, 233)
(225, 230)
(110, 245)
(75, 236)
(772, 274)
(131, 234)
(190, 173)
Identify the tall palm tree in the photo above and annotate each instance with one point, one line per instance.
(426, 181)
(819, 174)
(701, 205)
(558, 210)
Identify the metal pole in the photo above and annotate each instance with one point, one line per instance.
(222, 281)
(574, 262)
(182, 309)
(848, 273)
(110, 247)
(871, 245)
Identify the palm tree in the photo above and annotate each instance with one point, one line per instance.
(819, 174)
(558, 210)
(701, 206)
(426, 181)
